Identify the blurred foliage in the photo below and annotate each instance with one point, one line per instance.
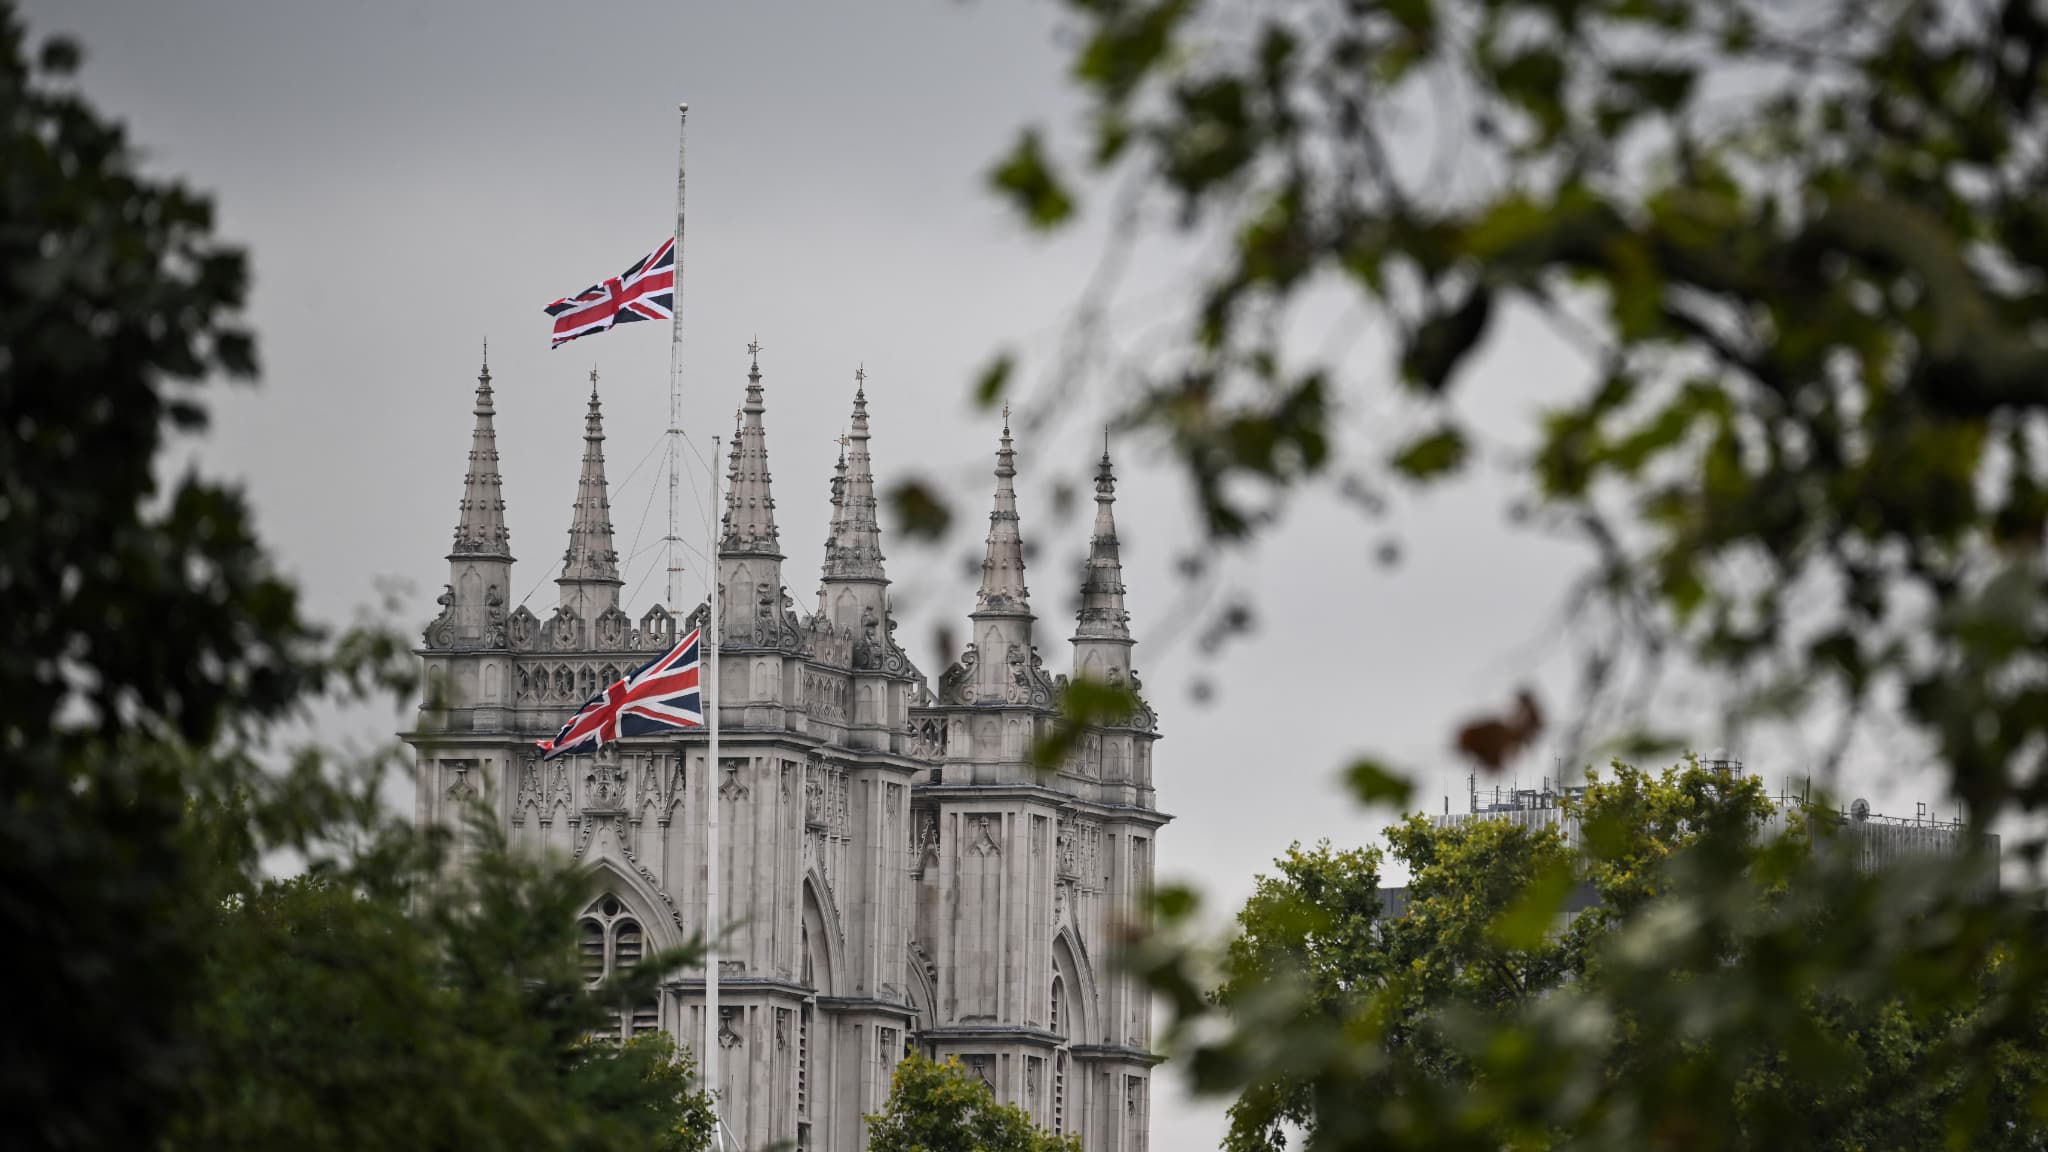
(940, 1106)
(1802, 250)
(164, 993)
(1528, 993)
(370, 1007)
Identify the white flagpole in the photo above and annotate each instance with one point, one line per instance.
(675, 382)
(707, 644)
(709, 647)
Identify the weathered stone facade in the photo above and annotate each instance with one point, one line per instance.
(894, 871)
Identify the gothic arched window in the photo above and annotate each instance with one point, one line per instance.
(610, 942)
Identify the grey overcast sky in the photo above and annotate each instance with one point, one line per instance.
(413, 177)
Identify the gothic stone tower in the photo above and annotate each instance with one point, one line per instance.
(893, 871)
(1024, 879)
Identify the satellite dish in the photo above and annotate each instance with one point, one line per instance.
(1860, 810)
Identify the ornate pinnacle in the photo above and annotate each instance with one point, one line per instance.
(853, 551)
(590, 558)
(749, 504)
(480, 529)
(1002, 571)
(1102, 613)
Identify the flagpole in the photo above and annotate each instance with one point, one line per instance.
(707, 643)
(675, 381)
(709, 647)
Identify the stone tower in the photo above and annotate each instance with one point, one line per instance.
(894, 871)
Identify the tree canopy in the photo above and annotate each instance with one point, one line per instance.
(940, 1106)
(1800, 249)
(1485, 950)
(167, 993)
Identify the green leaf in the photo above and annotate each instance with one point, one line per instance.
(921, 512)
(1433, 455)
(1375, 783)
(1030, 184)
(1525, 923)
(989, 386)
(1442, 341)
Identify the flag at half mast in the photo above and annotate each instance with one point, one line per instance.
(660, 695)
(646, 291)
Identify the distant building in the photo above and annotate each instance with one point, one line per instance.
(896, 873)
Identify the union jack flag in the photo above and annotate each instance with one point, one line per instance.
(646, 291)
(655, 697)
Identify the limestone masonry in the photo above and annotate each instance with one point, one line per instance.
(895, 873)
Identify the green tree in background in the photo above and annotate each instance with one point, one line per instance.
(937, 1106)
(337, 1016)
(164, 993)
(1477, 947)
(1802, 251)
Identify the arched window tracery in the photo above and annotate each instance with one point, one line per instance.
(611, 942)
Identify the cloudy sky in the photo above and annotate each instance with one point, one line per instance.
(413, 178)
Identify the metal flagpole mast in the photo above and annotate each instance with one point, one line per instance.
(675, 381)
(707, 643)
(709, 646)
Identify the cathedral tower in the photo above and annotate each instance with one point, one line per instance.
(1026, 876)
(896, 872)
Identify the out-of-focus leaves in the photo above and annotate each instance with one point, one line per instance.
(1431, 456)
(1492, 741)
(1085, 704)
(1375, 783)
(1026, 179)
(921, 513)
(1443, 340)
(989, 386)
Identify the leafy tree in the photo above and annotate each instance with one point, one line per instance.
(1801, 249)
(164, 994)
(338, 1014)
(939, 1106)
(1484, 943)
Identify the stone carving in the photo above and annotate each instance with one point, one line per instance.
(494, 618)
(924, 849)
(927, 740)
(954, 682)
(984, 838)
(565, 631)
(459, 788)
(733, 788)
(1028, 683)
(604, 786)
(612, 628)
(1068, 857)
(529, 788)
(814, 797)
(732, 967)
(441, 633)
(521, 628)
(727, 1038)
(558, 786)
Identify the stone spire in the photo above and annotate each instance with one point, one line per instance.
(853, 551)
(1002, 571)
(749, 508)
(480, 563)
(590, 567)
(480, 531)
(1102, 642)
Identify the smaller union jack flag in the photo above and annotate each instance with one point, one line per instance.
(646, 291)
(657, 696)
